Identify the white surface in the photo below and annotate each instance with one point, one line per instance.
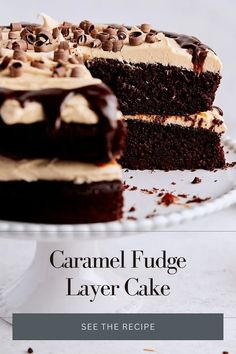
(214, 22)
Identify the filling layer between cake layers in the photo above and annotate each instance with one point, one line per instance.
(59, 138)
(175, 142)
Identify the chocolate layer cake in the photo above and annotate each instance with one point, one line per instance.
(60, 132)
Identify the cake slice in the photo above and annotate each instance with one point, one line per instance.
(60, 133)
(175, 142)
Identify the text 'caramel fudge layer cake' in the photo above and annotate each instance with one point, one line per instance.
(60, 134)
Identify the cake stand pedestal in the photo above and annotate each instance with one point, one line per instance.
(43, 288)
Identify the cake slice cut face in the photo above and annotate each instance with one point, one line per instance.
(60, 133)
(175, 142)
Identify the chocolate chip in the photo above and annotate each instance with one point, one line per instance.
(94, 33)
(122, 35)
(16, 69)
(96, 43)
(77, 71)
(12, 35)
(15, 26)
(117, 45)
(20, 44)
(103, 36)
(78, 33)
(61, 55)
(30, 351)
(107, 46)
(136, 38)
(64, 45)
(67, 24)
(38, 64)
(65, 31)
(30, 38)
(45, 36)
(20, 55)
(87, 26)
(110, 30)
(84, 39)
(41, 46)
(123, 29)
(150, 38)
(56, 32)
(4, 64)
(145, 27)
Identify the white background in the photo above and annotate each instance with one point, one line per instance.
(213, 21)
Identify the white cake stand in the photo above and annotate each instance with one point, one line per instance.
(43, 289)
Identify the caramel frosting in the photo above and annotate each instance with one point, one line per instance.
(212, 120)
(134, 44)
(57, 170)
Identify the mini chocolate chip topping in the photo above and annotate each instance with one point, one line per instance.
(107, 46)
(136, 38)
(87, 26)
(20, 55)
(45, 36)
(15, 26)
(20, 44)
(94, 33)
(56, 32)
(77, 71)
(150, 38)
(12, 35)
(122, 35)
(42, 46)
(146, 27)
(103, 36)
(96, 43)
(61, 55)
(64, 45)
(117, 45)
(111, 30)
(30, 351)
(4, 63)
(16, 69)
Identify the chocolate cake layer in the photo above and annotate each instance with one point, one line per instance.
(61, 202)
(52, 137)
(155, 88)
(151, 145)
(79, 142)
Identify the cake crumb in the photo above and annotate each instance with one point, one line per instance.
(134, 188)
(132, 209)
(215, 180)
(197, 200)
(146, 191)
(150, 216)
(231, 164)
(126, 170)
(131, 218)
(183, 195)
(196, 180)
(173, 183)
(151, 350)
(131, 177)
(30, 350)
(168, 199)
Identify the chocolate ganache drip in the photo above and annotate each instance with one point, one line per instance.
(99, 96)
(195, 47)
